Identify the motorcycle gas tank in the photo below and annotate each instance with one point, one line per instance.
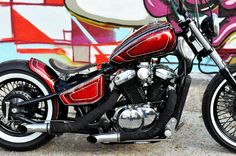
(151, 40)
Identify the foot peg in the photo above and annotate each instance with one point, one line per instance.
(170, 127)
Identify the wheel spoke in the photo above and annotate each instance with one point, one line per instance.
(40, 112)
(27, 120)
(230, 130)
(226, 122)
(224, 118)
(222, 110)
(229, 124)
(223, 113)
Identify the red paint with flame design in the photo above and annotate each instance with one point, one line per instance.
(48, 75)
(151, 40)
(85, 93)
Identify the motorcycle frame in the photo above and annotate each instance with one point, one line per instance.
(44, 71)
(185, 66)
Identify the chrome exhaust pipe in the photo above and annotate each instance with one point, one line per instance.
(31, 128)
(104, 138)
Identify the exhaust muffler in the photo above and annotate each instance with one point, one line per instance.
(31, 128)
(104, 138)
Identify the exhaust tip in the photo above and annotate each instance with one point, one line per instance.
(22, 129)
(92, 139)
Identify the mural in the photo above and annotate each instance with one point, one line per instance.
(84, 31)
(226, 41)
(45, 28)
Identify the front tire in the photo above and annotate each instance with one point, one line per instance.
(219, 110)
(20, 85)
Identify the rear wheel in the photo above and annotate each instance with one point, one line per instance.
(15, 87)
(219, 110)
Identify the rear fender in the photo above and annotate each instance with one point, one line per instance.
(44, 71)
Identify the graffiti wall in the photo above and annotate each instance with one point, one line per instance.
(225, 9)
(84, 31)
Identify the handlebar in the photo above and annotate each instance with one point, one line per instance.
(181, 8)
(178, 9)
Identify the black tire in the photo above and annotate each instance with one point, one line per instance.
(219, 113)
(19, 70)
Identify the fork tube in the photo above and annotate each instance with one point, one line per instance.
(214, 55)
(217, 59)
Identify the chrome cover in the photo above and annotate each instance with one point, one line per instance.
(149, 114)
(124, 77)
(216, 24)
(164, 72)
(184, 49)
(104, 138)
(31, 128)
(131, 118)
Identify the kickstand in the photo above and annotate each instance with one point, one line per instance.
(180, 126)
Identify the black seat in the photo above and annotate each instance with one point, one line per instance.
(66, 69)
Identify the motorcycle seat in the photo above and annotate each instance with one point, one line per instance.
(67, 69)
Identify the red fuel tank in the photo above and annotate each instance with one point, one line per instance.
(150, 40)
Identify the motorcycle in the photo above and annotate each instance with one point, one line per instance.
(133, 98)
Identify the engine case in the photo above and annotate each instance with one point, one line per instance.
(130, 118)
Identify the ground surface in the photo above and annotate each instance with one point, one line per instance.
(191, 139)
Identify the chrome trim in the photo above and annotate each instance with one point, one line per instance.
(216, 24)
(199, 36)
(104, 138)
(124, 77)
(170, 127)
(7, 110)
(217, 59)
(184, 49)
(131, 119)
(214, 55)
(31, 128)
(165, 74)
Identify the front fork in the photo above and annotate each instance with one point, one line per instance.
(214, 55)
(224, 70)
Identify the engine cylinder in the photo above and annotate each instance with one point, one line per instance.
(128, 83)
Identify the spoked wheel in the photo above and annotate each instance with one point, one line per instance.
(219, 110)
(16, 87)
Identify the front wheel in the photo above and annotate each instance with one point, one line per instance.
(17, 86)
(219, 110)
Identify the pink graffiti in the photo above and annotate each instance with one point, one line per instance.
(198, 1)
(226, 30)
(160, 8)
(157, 8)
(229, 4)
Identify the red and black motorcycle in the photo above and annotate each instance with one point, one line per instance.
(132, 98)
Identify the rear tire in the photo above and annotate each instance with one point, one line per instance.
(12, 139)
(219, 110)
